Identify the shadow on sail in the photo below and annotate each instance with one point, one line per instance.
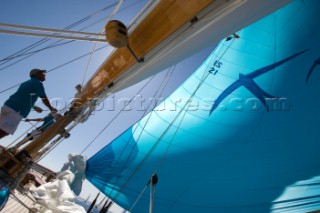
(241, 156)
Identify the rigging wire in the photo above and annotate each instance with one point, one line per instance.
(27, 55)
(32, 46)
(160, 139)
(47, 39)
(103, 19)
(39, 50)
(108, 124)
(137, 140)
(89, 61)
(95, 45)
(140, 13)
(57, 140)
(24, 50)
(144, 86)
(163, 85)
(20, 52)
(59, 66)
(75, 59)
(116, 9)
(55, 143)
(126, 106)
(204, 77)
(19, 137)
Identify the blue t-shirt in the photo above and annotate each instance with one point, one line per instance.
(25, 97)
(47, 122)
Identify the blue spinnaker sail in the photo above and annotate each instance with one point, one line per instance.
(4, 195)
(238, 136)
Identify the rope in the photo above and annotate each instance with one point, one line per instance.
(95, 45)
(114, 118)
(116, 9)
(56, 142)
(204, 79)
(24, 50)
(55, 44)
(205, 75)
(19, 137)
(57, 67)
(126, 106)
(153, 180)
(138, 198)
(163, 85)
(75, 59)
(162, 135)
(87, 67)
(143, 10)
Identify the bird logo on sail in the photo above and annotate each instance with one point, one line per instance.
(248, 82)
(316, 62)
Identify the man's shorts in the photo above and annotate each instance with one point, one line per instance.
(9, 120)
(34, 134)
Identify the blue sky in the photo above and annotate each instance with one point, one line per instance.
(60, 82)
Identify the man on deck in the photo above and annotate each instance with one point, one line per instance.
(19, 104)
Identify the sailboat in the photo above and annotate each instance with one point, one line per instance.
(228, 138)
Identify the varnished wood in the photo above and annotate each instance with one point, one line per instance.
(165, 19)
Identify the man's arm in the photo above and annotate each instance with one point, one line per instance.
(38, 109)
(33, 119)
(47, 103)
(39, 89)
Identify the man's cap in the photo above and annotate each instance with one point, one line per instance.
(78, 86)
(35, 71)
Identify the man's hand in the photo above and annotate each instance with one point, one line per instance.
(37, 109)
(52, 109)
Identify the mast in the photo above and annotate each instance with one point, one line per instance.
(167, 22)
(163, 21)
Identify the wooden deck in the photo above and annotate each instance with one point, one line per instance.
(14, 204)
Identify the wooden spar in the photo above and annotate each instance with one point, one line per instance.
(164, 19)
(32, 148)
